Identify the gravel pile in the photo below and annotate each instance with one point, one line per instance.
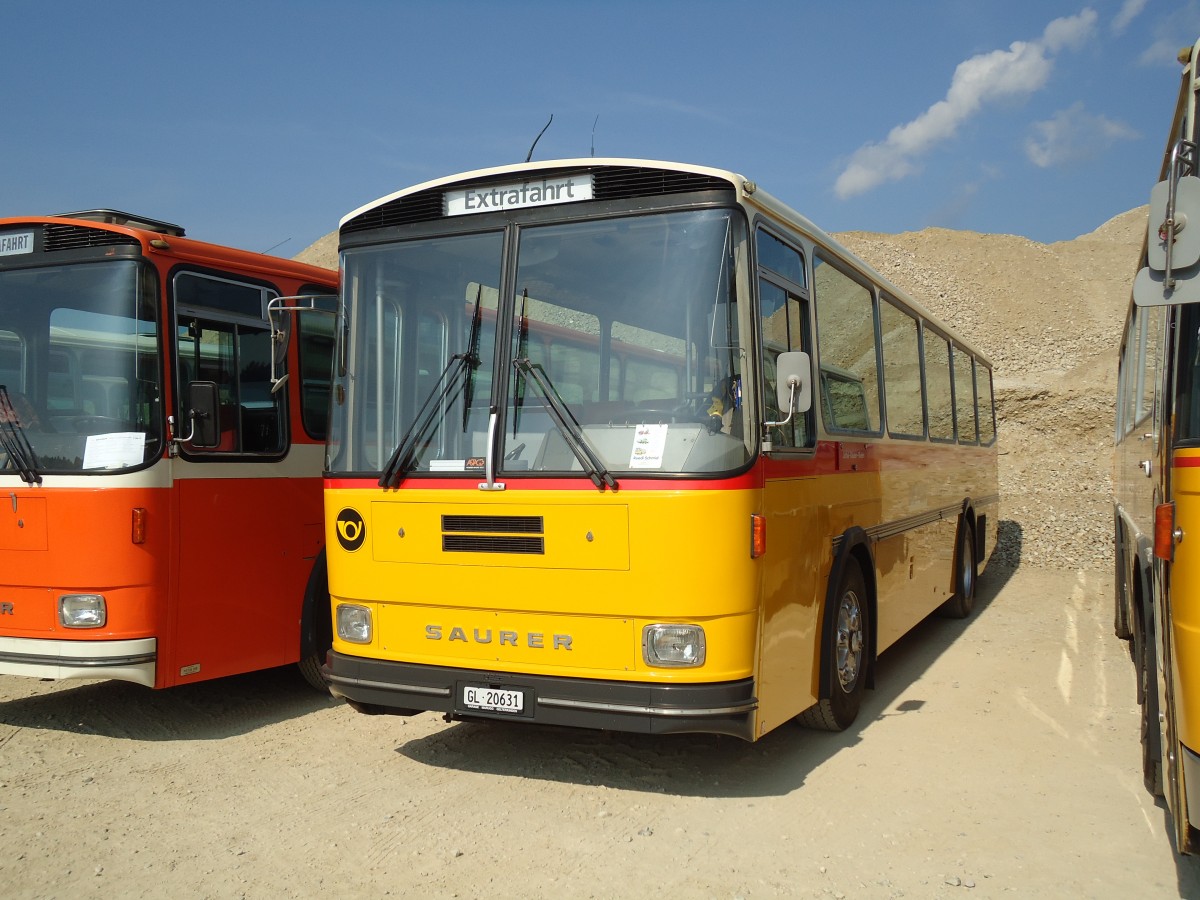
(1049, 316)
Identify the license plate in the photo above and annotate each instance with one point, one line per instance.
(476, 696)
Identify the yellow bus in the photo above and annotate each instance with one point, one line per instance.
(1156, 475)
(631, 445)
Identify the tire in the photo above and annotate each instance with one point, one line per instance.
(844, 656)
(1146, 666)
(310, 668)
(963, 602)
(1121, 624)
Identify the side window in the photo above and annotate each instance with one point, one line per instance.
(782, 294)
(1151, 360)
(937, 387)
(221, 336)
(846, 343)
(901, 343)
(987, 411)
(964, 397)
(315, 342)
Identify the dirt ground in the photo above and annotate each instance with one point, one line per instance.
(996, 757)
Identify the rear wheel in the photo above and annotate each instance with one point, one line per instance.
(844, 656)
(1145, 666)
(963, 602)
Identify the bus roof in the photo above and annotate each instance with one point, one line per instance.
(155, 240)
(747, 190)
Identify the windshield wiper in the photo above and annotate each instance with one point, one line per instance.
(567, 424)
(401, 460)
(15, 442)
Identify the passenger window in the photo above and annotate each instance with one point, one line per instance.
(964, 397)
(987, 414)
(846, 342)
(901, 343)
(937, 387)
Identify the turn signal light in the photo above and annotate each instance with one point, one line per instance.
(138, 535)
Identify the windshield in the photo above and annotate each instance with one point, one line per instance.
(616, 352)
(79, 364)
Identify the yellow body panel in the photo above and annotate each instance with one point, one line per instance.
(611, 564)
(1185, 599)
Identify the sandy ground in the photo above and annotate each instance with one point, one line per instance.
(996, 757)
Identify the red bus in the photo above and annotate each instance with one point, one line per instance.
(160, 505)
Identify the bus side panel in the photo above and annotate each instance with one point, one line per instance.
(922, 489)
(246, 545)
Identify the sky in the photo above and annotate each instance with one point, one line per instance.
(260, 124)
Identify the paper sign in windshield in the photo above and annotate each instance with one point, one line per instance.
(114, 451)
(649, 442)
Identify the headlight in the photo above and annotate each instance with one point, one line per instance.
(354, 623)
(82, 610)
(673, 645)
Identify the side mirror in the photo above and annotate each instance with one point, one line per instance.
(204, 412)
(794, 382)
(1172, 272)
(280, 319)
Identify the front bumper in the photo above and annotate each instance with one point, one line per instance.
(381, 686)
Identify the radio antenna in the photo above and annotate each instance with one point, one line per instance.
(594, 134)
(280, 244)
(538, 138)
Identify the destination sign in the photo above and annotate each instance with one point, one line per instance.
(500, 197)
(13, 243)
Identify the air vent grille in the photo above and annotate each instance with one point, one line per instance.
(77, 237)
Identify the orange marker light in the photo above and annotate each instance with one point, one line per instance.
(138, 535)
(1164, 531)
(758, 536)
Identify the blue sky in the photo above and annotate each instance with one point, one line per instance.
(260, 124)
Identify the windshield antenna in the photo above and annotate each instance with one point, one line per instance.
(594, 134)
(538, 138)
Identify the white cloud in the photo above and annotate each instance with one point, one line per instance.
(1071, 135)
(1171, 33)
(1017, 72)
(1128, 12)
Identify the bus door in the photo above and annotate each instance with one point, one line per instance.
(236, 523)
(794, 548)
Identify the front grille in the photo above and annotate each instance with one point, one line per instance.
(77, 237)
(501, 524)
(611, 183)
(493, 534)
(493, 543)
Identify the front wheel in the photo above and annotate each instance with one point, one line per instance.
(844, 656)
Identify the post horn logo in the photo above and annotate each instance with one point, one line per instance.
(351, 530)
